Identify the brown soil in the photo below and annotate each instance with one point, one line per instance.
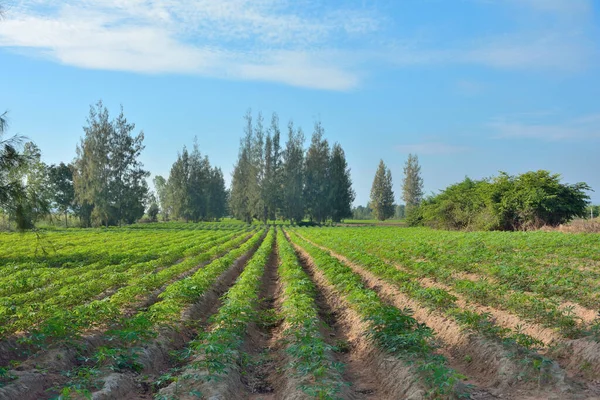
(488, 366)
(154, 357)
(372, 373)
(259, 378)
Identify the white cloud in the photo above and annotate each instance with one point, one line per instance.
(239, 39)
(432, 148)
(576, 129)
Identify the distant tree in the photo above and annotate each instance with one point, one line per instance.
(153, 208)
(217, 195)
(245, 189)
(316, 176)
(12, 159)
(109, 180)
(362, 212)
(382, 195)
(293, 176)
(341, 194)
(62, 190)
(271, 177)
(35, 198)
(400, 211)
(127, 186)
(412, 184)
(162, 192)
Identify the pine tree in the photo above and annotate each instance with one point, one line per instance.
(109, 180)
(316, 182)
(292, 173)
(245, 192)
(162, 192)
(412, 185)
(382, 195)
(63, 193)
(341, 194)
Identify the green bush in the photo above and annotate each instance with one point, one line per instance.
(527, 201)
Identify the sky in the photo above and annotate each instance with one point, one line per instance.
(472, 87)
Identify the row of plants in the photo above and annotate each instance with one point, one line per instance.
(128, 334)
(217, 349)
(74, 245)
(73, 308)
(127, 252)
(382, 253)
(393, 330)
(309, 355)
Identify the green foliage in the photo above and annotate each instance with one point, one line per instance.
(109, 179)
(309, 354)
(269, 182)
(382, 195)
(220, 346)
(527, 201)
(412, 184)
(317, 176)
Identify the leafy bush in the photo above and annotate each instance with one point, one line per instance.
(527, 201)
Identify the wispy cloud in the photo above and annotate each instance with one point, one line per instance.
(575, 129)
(239, 39)
(304, 43)
(432, 148)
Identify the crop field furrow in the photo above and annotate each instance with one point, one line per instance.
(532, 308)
(230, 311)
(389, 342)
(216, 360)
(138, 278)
(488, 359)
(132, 342)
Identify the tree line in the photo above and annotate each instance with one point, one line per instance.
(106, 184)
(194, 191)
(274, 181)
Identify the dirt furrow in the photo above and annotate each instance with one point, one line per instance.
(43, 370)
(492, 369)
(372, 373)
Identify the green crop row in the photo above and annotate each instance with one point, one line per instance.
(382, 253)
(218, 348)
(309, 354)
(393, 330)
(67, 316)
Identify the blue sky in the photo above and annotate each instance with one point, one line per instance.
(471, 86)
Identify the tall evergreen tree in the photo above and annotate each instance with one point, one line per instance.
(292, 173)
(382, 195)
(316, 182)
(12, 188)
(162, 192)
(217, 195)
(412, 184)
(245, 189)
(341, 194)
(178, 186)
(127, 185)
(109, 180)
(63, 193)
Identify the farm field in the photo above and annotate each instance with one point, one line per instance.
(230, 311)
